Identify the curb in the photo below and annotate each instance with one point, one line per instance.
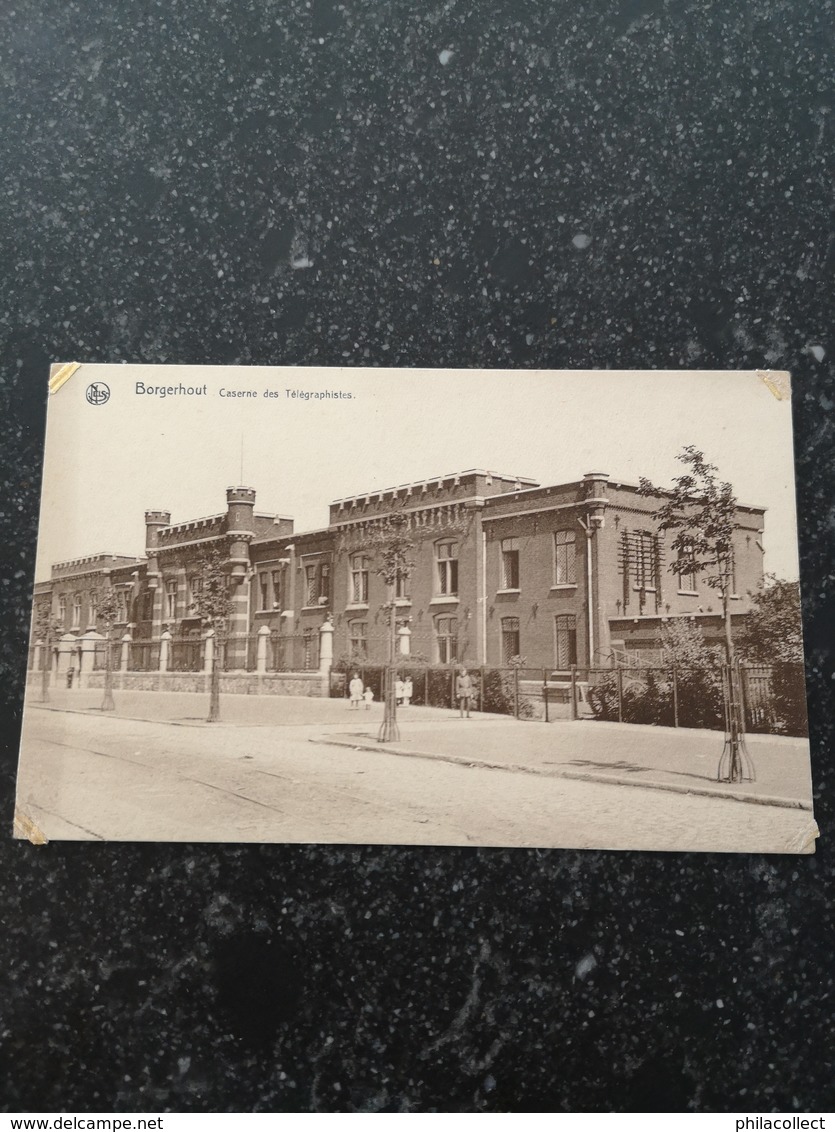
(580, 775)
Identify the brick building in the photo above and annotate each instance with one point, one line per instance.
(575, 573)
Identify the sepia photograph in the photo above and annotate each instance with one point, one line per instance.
(425, 607)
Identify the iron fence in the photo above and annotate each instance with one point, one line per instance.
(773, 697)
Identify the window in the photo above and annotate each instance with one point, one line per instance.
(510, 638)
(62, 609)
(359, 579)
(311, 596)
(171, 598)
(263, 592)
(76, 611)
(446, 632)
(276, 581)
(510, 563)
(195, 589)
(122, 599)
(686, 576)
(565, 640)
(358, 638)
(731, 569)
(317, 583)
(446, 558)
(401, 587)
(645, 560)
(94, 608)
(565, 559)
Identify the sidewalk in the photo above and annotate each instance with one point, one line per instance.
(682, 760)
(191, 708)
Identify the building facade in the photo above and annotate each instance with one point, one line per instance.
(500, 570)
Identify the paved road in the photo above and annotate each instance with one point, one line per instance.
(100, 777)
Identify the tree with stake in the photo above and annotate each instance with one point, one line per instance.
(214, 607)
(47, 629)
(394, 548)
(701, 509)
(107, 613)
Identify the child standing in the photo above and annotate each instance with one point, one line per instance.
(355, 691)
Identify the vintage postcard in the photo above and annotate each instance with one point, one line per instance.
(423, 607)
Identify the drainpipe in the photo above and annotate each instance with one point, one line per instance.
(596, 501)
(483, 595)
(589, 531)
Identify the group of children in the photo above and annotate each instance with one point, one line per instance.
(360, 693)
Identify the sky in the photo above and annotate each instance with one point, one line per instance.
(105, 464)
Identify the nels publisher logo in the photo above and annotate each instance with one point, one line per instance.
(98, 393)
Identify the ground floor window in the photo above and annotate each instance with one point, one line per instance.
(446, 635)
(510, 639)
(358, 638)
(565, 640)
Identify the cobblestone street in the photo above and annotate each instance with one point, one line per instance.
(92, 776)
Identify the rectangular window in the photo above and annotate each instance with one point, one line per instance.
(645, 560)
(446, 634)
(565, 641)
(311, 585)
(263, 592)
(276, 582)
(94, 609)
(510, 563)
(62, 610)
(359, 579)
(447, 569)
(358, 638)
(171, 598)
(565, 559)
(76, 611)
(401, 587)
(686, 575)
(195, 589)
(324, 583)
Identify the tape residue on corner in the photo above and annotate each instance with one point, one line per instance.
(25, 829)
(804, 840)
(777, 381)
(62, 375)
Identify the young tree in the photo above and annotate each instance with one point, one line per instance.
(773, 632)
(700, 510)
(773, 637)
(394, 547)
(214, 607)
(107, 614)
(47, 630)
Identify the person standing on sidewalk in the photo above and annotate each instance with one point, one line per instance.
(355, 690)
(464, 692)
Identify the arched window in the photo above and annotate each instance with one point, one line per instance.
(565, 640)
(446, 637)
(510, 639)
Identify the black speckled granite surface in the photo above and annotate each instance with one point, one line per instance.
(164, 164)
